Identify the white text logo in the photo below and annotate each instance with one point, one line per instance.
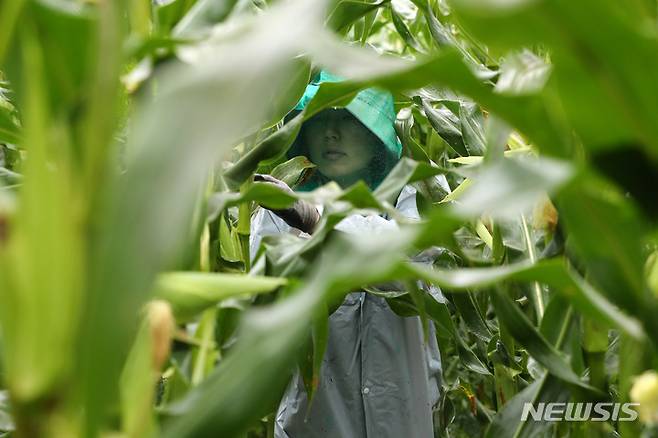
(579, 411)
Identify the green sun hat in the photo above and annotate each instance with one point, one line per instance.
(373, 107)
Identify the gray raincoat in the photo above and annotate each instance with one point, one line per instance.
(378, 377)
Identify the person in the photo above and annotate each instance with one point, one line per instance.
(379, 378)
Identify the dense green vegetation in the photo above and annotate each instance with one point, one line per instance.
(129, 135)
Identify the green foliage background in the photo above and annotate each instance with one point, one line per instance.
(129, 134)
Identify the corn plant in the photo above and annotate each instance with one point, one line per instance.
(130, 131)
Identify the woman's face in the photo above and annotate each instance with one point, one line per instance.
(339, 145)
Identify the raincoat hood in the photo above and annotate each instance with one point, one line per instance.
(375, 110)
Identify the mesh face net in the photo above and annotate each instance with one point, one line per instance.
(380, 164)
